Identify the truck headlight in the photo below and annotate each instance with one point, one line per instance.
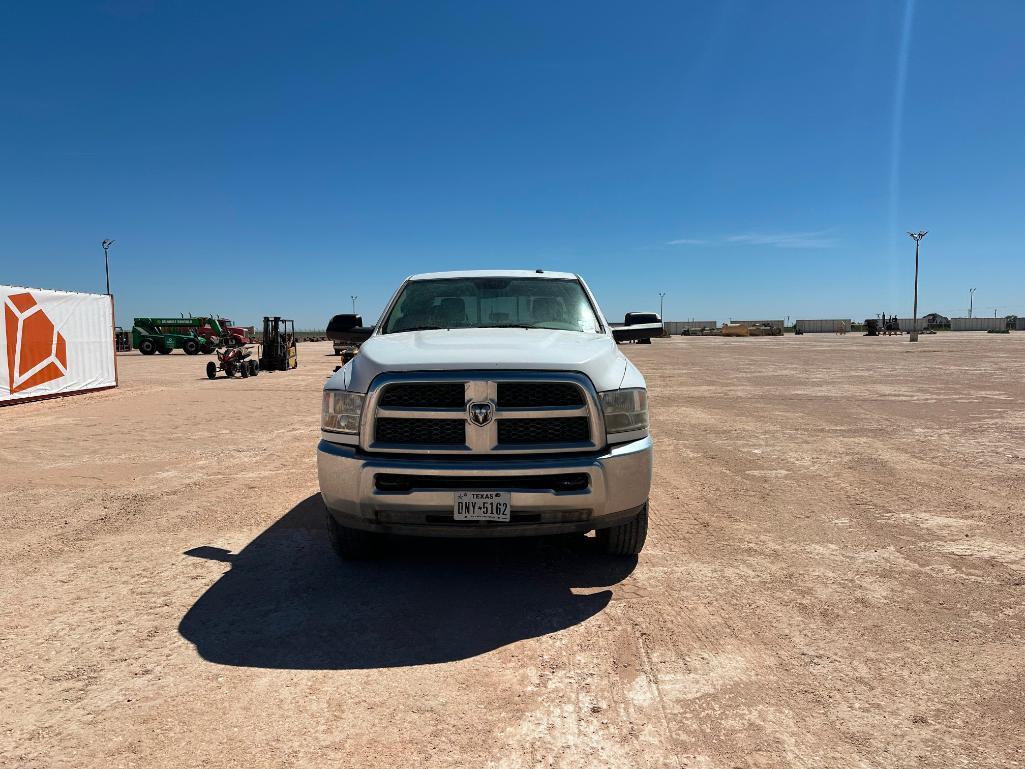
(341, 411)
(625, 410)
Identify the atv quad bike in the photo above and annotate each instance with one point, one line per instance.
(233, 360)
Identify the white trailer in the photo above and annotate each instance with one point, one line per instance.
(823, 326)
(978, 324)
(55, 343)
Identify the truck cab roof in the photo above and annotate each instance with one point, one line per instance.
(494, 274)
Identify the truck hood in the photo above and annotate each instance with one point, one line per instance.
(485, 349)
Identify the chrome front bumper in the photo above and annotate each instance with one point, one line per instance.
(619, 481)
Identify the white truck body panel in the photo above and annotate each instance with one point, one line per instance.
(594, 355)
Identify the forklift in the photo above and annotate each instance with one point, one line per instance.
(279, 347)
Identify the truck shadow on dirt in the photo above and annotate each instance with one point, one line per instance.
(290, 602)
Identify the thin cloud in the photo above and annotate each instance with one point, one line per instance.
(820, 239)
(785, 239)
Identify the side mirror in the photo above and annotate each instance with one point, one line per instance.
(348, 329)
(639, 327)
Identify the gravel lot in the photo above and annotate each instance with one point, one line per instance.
(835, 578)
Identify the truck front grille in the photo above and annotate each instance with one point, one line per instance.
(557, 430)
(534, 412)
(422, 432)
(428, 395)
(538, 394)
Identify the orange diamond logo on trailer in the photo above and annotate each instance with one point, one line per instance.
(36, 351)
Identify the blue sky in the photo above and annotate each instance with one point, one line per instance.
(748, 158)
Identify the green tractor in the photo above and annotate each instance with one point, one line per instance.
(164, 335)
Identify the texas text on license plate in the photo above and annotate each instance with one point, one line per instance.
(482, 506)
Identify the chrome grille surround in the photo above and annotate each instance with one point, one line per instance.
(482, 386)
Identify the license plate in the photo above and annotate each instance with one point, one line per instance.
(482, 506)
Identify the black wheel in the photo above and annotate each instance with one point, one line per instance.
(191, 347)
(229, 369)
(627, 538)
(243, 369)
(211, 370)
(147, 347)
(254, 368)
(165, 351)
(353, 544)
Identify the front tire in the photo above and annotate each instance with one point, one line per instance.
(191, 347)
(627, 538)
(353, 544)
(211, 370)
(147, 347)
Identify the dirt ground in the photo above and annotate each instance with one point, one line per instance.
(835, 578)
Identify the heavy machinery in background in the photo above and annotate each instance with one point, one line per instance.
(122, 340)
(336, 328)
(164, 335)
(279, 345)
(884, 326)
(215, 329)
(752, 328)
(735, 329)
(229, 331)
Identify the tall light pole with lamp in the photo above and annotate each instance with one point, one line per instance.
(971, 301)
(661, 302)
(106, 261)
(917, 237)
(354, 298)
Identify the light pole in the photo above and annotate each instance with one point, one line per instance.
(106, 262)
(917, 237)
(971, 301)
(354, 298)
(661, 302)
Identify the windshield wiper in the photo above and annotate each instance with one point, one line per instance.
(509, 325)
(416, 328)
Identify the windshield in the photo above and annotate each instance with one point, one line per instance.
(492, 303)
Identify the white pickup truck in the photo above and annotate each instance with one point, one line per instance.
(486, 404)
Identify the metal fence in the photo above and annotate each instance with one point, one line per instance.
(824, 326)
(676, 327)
(978, 324)
(908, 324)
(1019, 323)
